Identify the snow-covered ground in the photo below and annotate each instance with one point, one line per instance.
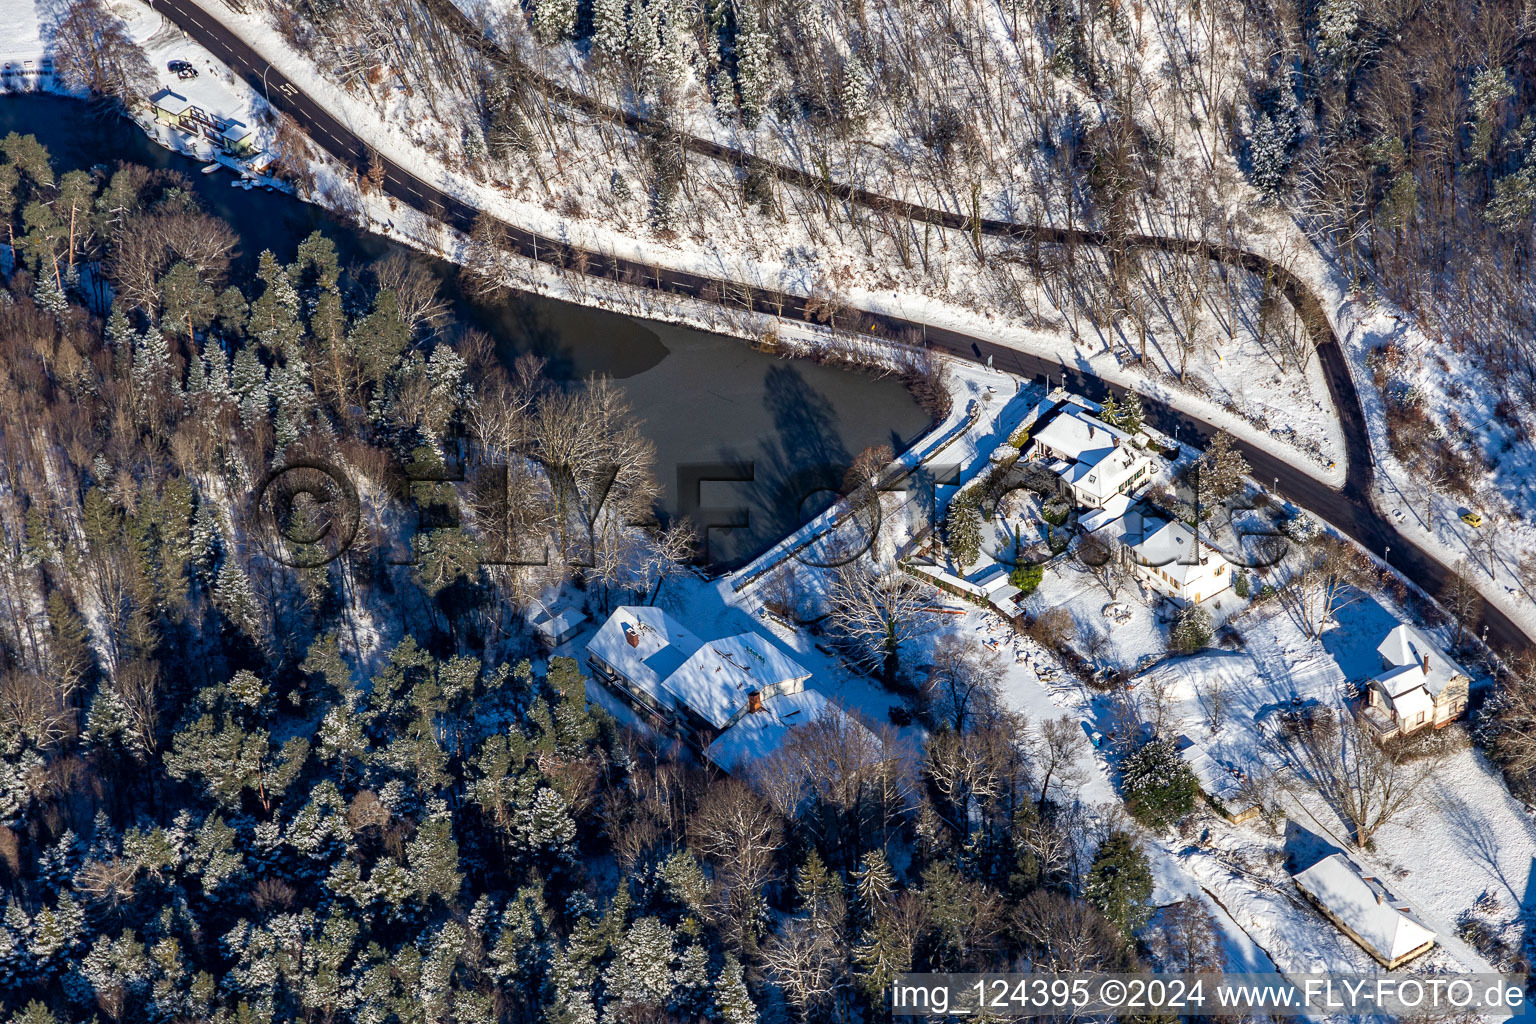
(1466, 837)
(27, 30)
(1468, 411)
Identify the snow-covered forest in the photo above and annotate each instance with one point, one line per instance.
(277, 741)
(250, 774)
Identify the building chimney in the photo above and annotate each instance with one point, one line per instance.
(632, 635)
(1426, 664)
(1090, 430)
(754, 701)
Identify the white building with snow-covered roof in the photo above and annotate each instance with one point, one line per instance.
(1092, 460)
(755, 735)
(1419, 686)
(1170, 559)
(1361, 907)
(699, 688)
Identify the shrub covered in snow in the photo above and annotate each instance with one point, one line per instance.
(1159, 787)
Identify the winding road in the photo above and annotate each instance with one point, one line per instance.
(1348, 508)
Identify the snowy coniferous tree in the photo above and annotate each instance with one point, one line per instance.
(434, 988)
(855, 98)
(151, 360)
(49, 297)
(753, 64)
(609, 27)
(963, 529)
(1514, 199)
(1221, 469)
(1192, 631)
(207, 539)
(640, 974)
(197, 372)
(16, 773)
(342, 740)
(1301, 527)
(57, 932)
(1490, 88)
(274, 317)
(553, 20)
(1120, 882)
(690, 999)
(216, 859)
(292, 399)
(686, 882)
(1270, 145)
(218, 373)
(1338, 23)
(58, 863)
(547, 829)
(248, 381)
(320, 833)
(119, 332)
(233, 594)
(434, 857)
(873, 885)
(1159, 787)
(644, 44)
(881, 956)
(731, 996)
(673, 55)
(16, 964)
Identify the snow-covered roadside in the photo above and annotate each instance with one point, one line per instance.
(1458, 400)
(1506, 495)
(787, 270)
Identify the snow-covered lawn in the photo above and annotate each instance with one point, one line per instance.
(1132, 630)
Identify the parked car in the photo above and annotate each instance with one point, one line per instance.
(1472, 518)
(182, 69)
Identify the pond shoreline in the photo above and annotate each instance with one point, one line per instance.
(775, 403)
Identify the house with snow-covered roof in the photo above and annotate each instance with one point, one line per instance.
(1419, 686)
(555, 621)
(1221, 784)
(1169, 558)
(759, 733)
(1093, 461)
(1361, 907)
(698, 688)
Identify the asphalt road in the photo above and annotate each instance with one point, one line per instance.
(1349, 508)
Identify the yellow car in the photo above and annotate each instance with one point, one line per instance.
(1472, 518)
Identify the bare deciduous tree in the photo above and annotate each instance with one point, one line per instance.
(964, 684)
(1103, 563)
(1069, 935)
(879, 609)
(1367, 783)
(1054, 746)
(93, 50)
(1461, 600)
(1333, 575)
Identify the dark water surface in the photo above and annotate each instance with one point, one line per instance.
(741, 437)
